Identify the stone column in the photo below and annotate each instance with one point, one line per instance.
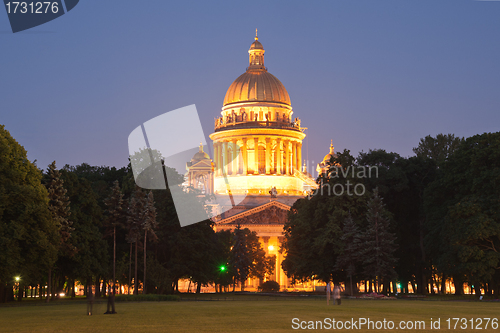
(219, 158)
(278, 156)
(265, 240)
(216, 158)
(299, 155)
(256, 156)
(286, 169)
(224, 157)
(211, 182)
(245, 156)
(294, 156)
(268, 156)
(234, 162)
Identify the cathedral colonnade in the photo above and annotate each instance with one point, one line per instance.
(257, 155)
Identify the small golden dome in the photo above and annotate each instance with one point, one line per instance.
(331, 154)
(256, 45)
(200, 155)
(256, 84)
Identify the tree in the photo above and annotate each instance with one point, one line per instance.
(377, 253)
(60, 210)
(115, 218)
(439, 148)
(91, 259)
(137, 209)
(463, 209)
(29, 236)
(240, 257)
(349, 256)
(149, 226)
(222, 271)
(401, 182)
(260, 263)
(314, 228)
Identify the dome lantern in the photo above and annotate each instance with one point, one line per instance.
(256, 55)
(257, 84)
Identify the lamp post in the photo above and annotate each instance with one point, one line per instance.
(17, 279)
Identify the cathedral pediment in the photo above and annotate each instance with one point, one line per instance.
(272, 213)
(203, 164)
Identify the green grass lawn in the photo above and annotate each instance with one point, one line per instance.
(252, 314)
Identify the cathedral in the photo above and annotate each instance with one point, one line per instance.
(256, 173)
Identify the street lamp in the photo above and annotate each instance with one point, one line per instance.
(17, 278)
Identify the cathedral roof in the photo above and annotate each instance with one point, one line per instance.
(256, 45)
(256, 84)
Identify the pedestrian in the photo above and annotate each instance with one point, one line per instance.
(336, 295)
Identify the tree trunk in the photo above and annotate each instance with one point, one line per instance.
(423, 288)
(2, 293)
(49, 283)
(198, 288)
(98, 292)
(53, 290)
(459, 286)
(129, 270)
(20, 292)
(144, 280)
(105, 287)
(477, 289)
(113, 293)
(413, 287)
(136, 284)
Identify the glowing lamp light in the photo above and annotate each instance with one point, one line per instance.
(271, 247)
(222, 268)
(18, 278)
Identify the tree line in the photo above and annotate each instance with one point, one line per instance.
(423, 220)
(92, 225)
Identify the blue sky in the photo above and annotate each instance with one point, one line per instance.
(367, 74)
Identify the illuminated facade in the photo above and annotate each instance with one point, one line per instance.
(257, 149)
(257, 143)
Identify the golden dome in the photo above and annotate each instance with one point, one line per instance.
(256, 84)
(256, 45)
(200, 155)
(330, 155)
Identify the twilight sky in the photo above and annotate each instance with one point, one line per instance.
(367, 74)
